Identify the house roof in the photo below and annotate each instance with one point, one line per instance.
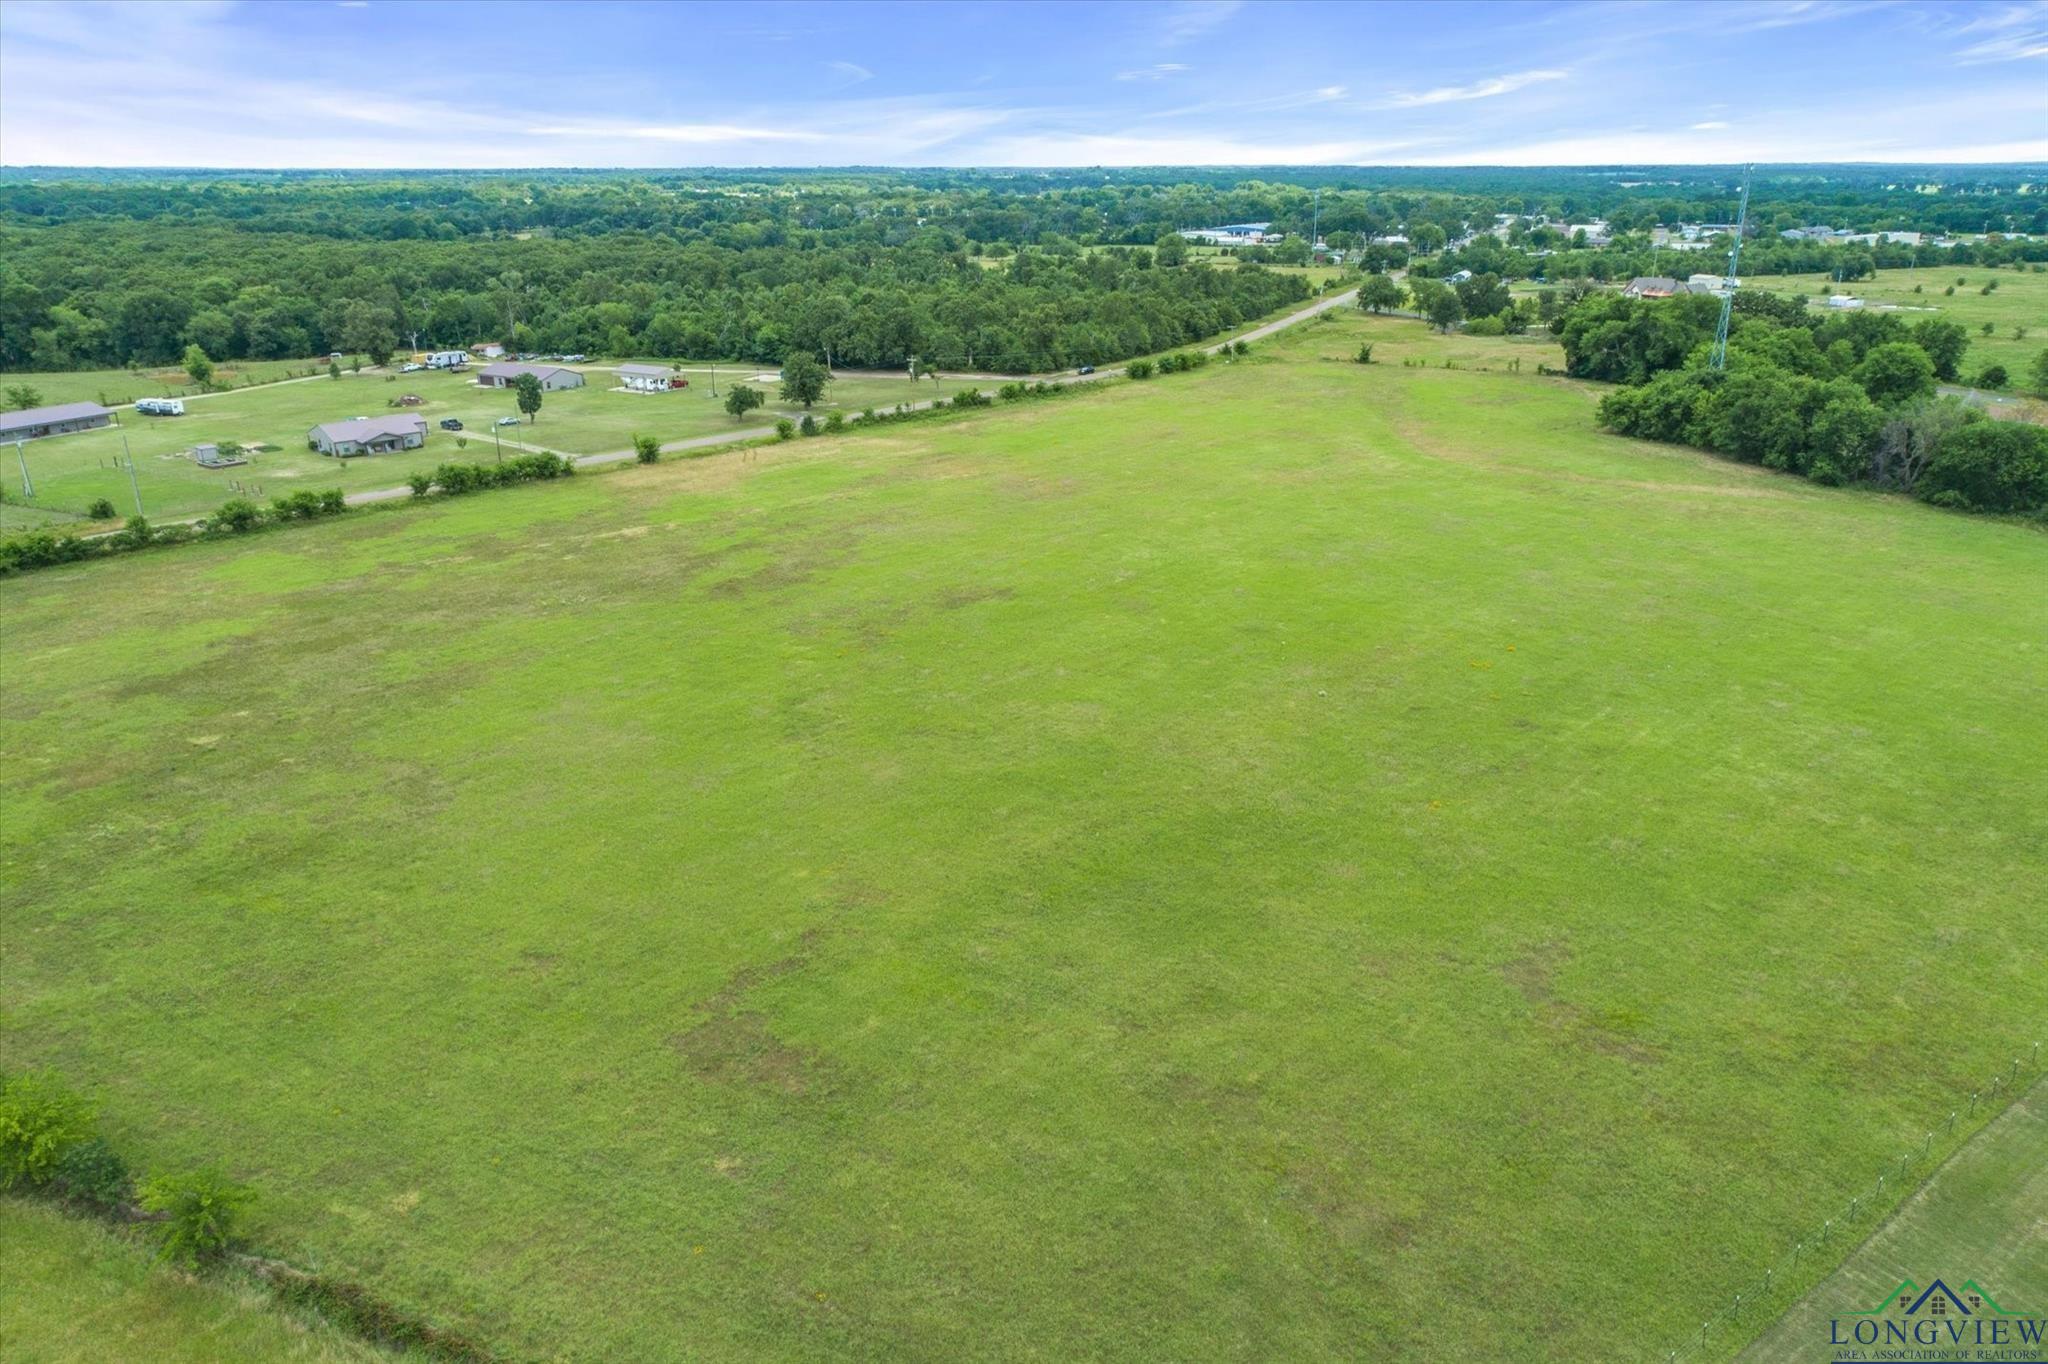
(370, 428)
(512, 369)
(42, 416)
(661, 370)
(1654, 284)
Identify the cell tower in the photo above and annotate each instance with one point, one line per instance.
(1728, 285)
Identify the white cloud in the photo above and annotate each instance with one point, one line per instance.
(850, 73)
(1486, 89)
(679, 132)
(1157, 72)
(1711, 125)
(1190, 19)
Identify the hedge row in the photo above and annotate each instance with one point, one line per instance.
(455, 479)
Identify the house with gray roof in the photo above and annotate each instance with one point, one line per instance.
(645, 378)
(33, 423)
(369, 435)
(506, 373)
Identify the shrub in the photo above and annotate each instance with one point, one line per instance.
(199, 1209)
(1139, 369)
(972, 397)
(134, 533)
(100, 509)
(421, 484)
(1245, 347)
(1485, 326)
(238, 515)
(1364, 356)
(40, 1119)
(835, 420)
(1013, 393)
(808, 426)
(92, 1172)
(1989, 466)
(1993, 376)
(308, 505)
(785, 429)
(646, 449)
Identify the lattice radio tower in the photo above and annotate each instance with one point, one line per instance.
(1728, 284)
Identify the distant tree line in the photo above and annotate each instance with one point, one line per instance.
(116, 295)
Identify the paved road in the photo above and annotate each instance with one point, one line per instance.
(762, 432)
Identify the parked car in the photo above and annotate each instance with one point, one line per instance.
(410, 368)
(508, 421)
(1085, 369)
(451, 423)
(574, 359)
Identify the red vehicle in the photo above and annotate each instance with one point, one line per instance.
(678, 382)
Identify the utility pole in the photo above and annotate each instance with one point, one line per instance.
(1720, 359)
(133, 486)
(28, 489)
(1315, 225)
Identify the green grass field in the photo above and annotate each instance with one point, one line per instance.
(1297, 860)
(114, 387)
(1982, 1217)
(74, 1292)
(2019, 301)
(68, 472)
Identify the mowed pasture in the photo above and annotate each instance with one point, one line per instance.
(117, 387)
(69, 472)
(1296, 860)
(1980, 1217)
(2019, 301)
(77, 1292)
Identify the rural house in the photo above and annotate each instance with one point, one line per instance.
(506, 373)
(1654, 286)
(31, 423)
(645, 378)
(369, 435)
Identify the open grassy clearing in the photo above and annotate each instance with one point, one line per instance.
(70, 471)
(1982, 1216)
(76, 1292)
(2020, 300)
(1187, 872)
(114, 387)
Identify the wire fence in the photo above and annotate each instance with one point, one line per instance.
(1779, 1284)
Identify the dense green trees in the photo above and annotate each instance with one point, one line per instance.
(1839, 399)
(118, 299)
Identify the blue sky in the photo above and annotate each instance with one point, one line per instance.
(416, 83)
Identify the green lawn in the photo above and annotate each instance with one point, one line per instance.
(76, 1292)
(1982, 1217)
(116, 387)
(2019, 301)
(1297, 860)
(68, 472)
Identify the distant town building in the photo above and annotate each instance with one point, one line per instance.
(369, 435)
(1234, 234)
(33, 423)
(506, 373)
